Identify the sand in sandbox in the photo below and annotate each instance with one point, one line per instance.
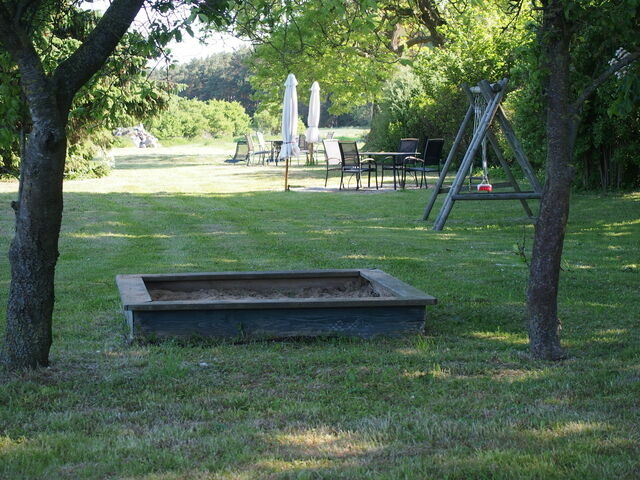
(347, 290)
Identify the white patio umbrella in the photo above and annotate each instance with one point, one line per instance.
(289, 125)
(313, 119)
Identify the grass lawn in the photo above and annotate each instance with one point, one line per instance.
(461, 401)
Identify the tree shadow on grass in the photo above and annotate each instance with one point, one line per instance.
(151, 161)
(328, 409)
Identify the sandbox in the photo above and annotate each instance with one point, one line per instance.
(261, 305)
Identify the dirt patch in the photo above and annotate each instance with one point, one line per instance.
(347, 290)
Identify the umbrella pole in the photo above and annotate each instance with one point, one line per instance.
(311, 159)
(286, 174)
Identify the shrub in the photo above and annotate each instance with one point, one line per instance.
(82, 162)
(189, 118)
(266, 121)
(225, 118)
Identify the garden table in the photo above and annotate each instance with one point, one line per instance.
(276, 145)
(390, 154)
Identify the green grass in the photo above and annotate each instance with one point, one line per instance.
(460, 401)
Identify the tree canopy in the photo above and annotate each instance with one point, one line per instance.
(120, 94)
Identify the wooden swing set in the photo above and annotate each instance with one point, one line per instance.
(484, 106)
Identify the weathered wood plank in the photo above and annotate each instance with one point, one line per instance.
(252, 275)
(497, 196)
(397, 287)
(279, 323)
(310, 303)
(132, 289)
(260, 284)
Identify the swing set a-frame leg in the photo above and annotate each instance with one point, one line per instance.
(505, 166)
(513, 141)
(447, 163)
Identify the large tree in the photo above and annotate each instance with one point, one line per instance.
(49, 93)
(562, 22)
(350, 47)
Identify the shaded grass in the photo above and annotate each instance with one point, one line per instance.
(460, 401)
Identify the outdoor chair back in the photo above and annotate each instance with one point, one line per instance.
(332, 152)
(262, 145)
(430, 161)
(433, 153)
(250, 142)
(349, 154)
(332, 157)
(241, 154)
(304, 148)
(259, 153)
(396, 163)
(251, 146)
(409, 145)
(302, 142)
(352, 164)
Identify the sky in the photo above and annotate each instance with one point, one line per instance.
(191, 47)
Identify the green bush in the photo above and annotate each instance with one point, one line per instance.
(400, 114)
(266, 121)
(225, 118)
(82, 162)
(190, 118)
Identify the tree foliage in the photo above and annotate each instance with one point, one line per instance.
(189, 118)
(424, 98)
(121, 94)
(346, 46)
(606, 151)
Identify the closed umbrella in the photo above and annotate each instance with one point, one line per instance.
(313, 119)
(289, 125)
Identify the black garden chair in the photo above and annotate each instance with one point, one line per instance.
(354, 165)
(430, 161)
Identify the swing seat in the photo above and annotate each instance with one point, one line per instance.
(484, 187)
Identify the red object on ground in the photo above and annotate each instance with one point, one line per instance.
(484, 187)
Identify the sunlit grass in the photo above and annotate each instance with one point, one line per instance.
(460, 401)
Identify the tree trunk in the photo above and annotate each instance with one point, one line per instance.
(34, 250)
(542, 294)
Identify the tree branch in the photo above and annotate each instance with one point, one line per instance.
(576, 107)
(603, 77)
(76, 70)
